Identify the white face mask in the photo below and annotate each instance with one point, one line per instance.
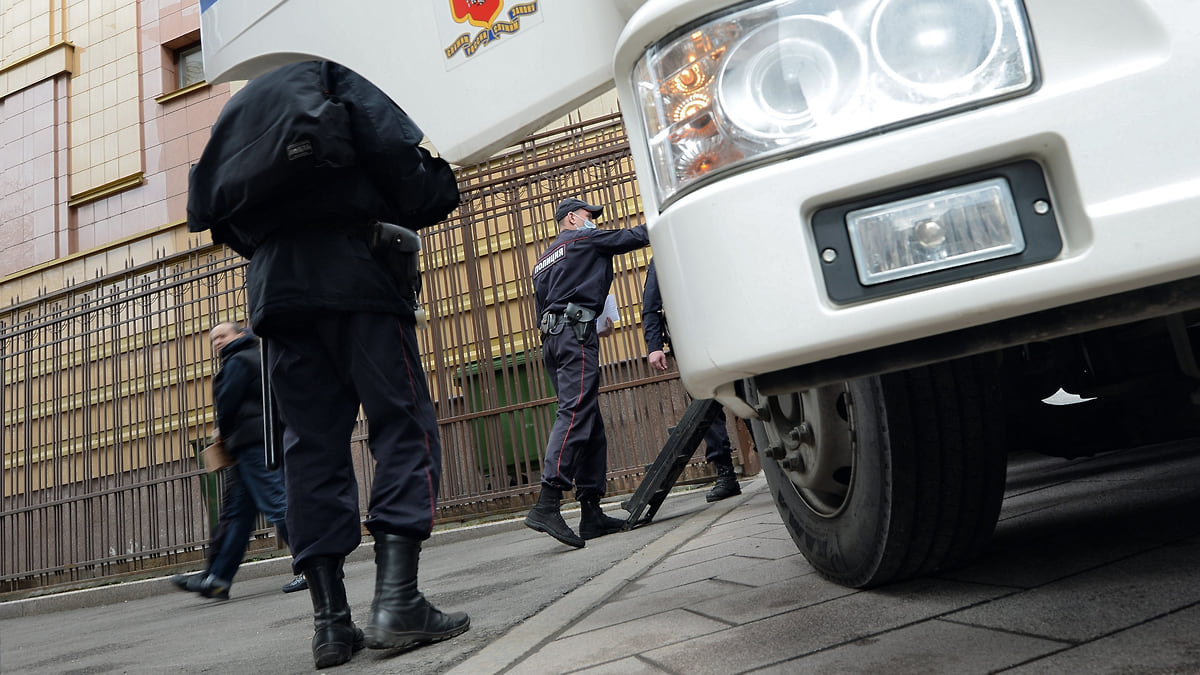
(587, 224)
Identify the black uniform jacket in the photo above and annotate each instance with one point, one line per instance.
(314, 142)
(237, 392)
(578, 267)
(307, 240)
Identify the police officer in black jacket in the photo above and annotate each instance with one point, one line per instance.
(718, 450)
(571, 282)
(337, 314)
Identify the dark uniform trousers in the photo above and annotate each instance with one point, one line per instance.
(321, 370)
(716, 438)
(577, 452)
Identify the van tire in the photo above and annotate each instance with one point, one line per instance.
(926, 482)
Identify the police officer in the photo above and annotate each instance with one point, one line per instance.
(718, 451)
(325, 292)
(570, 282)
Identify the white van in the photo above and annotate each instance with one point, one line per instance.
(930, 216)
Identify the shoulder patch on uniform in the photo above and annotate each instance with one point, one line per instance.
(549, 259)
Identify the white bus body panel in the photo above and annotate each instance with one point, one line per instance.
(545, 57)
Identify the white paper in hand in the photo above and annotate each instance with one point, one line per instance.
(610, 312)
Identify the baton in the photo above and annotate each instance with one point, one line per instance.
(272, 426)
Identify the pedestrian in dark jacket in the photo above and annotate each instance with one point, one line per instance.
(718, 450)
(216, 541)
(571, 281)
(331, 298)
(250, 486)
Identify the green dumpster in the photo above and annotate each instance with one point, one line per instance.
(517, 437)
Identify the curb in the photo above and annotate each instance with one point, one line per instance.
(124, 591)
(542, 628)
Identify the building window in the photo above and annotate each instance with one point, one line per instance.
(189, 65)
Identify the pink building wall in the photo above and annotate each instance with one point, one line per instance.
(38, 225)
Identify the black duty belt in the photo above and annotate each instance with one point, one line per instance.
(552, 323)
(578, 318)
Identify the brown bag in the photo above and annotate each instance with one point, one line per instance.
(215, 457)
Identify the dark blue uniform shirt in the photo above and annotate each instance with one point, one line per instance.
(578, 267)
(654, 321)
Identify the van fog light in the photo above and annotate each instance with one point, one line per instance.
(937, 231)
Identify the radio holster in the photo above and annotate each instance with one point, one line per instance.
(580, 319)
(398, 250)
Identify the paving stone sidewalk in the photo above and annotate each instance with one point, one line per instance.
(1093, 569)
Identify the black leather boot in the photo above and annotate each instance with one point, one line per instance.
(401, 618)
(727, 484)
(335, 637)
(545, 516)
(592, 521)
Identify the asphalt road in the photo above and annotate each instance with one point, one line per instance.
(1092, 570)
(499, 574)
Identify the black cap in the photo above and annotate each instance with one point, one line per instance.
(572, 204)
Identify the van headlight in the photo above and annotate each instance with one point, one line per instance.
(790, 76)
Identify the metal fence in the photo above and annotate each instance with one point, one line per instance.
(106, 385)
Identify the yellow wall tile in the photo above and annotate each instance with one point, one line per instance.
(126, 15)
(129, 139)
(81, 106)
(96, 96)
(185, 240)
(29, 287)
(74, 270)
(95, 264)
(165, 241)
(141, 251)
(129, 163)
(19, 41)
(104, 51)
(116, 257)
(127, 88)
(36, 71)
(110, 148)
(128, 111)
(79, 155)
(127, 63)
(16, 13)
(52, 279)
